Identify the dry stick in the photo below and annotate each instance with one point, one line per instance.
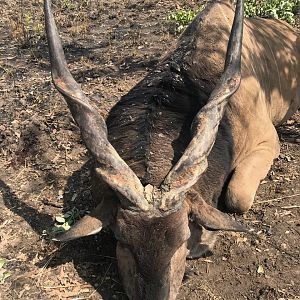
(296, 230)
(40, 273)
(48, 203)
(21, 172)
(277, 199)
(24, 30)
(66, 286)
(103, 256)
(121, 293)
(290, 207)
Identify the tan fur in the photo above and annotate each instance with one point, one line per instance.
(268, 95)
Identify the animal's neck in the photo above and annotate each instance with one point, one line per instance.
(155, 130)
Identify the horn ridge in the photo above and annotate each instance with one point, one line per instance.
(193, 162)
(112, 168)
(62, 78)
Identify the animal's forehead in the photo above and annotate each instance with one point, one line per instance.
(152, 240)
(142, 227)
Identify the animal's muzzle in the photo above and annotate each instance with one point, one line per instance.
(156, 292)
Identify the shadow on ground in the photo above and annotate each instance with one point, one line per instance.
(93, 257)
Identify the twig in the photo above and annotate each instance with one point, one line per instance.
(20, 173)
(40, 273)
(296, 230)
(290, 207)
(103, 256)
(120, 293)
(277, 199)
(65, 286)
(48, 203)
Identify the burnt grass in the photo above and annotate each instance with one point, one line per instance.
(44, 167)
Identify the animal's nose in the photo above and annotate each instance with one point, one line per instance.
(163, 293)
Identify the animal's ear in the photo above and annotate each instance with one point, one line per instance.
(212, 218)
(88, 225)
(103, 215)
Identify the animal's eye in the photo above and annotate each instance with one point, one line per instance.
(170, 237)
(174, 238)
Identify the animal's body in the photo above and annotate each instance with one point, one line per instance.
(150, 127)
(151, 124)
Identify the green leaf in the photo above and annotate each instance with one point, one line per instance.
(58, 229)
(4, 276)
(278, 9)
(60, 219)
(61, 228)
(66, 226)
(67, 215)
(2, 262)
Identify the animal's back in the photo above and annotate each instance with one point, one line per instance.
(150, 126)
(270, 88)
(272, 54)
(270, 59)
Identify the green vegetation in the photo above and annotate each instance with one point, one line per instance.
(65, 221)
(4, 274)
(26, 27)
(32, 29)
(278, 9)
(183, 17)
(67, 4)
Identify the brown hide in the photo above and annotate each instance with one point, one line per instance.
(159, 123)
(151, 253)
(268, 95)
(270, 65)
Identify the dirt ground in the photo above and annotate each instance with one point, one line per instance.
(44, 167)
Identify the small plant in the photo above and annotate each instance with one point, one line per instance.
(4, 274)
(26, 27)
(67, 4)
(64, 222)
(183, 17)
(277, 9)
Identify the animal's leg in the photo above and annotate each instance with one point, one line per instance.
(201, 241)
(247, 176)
